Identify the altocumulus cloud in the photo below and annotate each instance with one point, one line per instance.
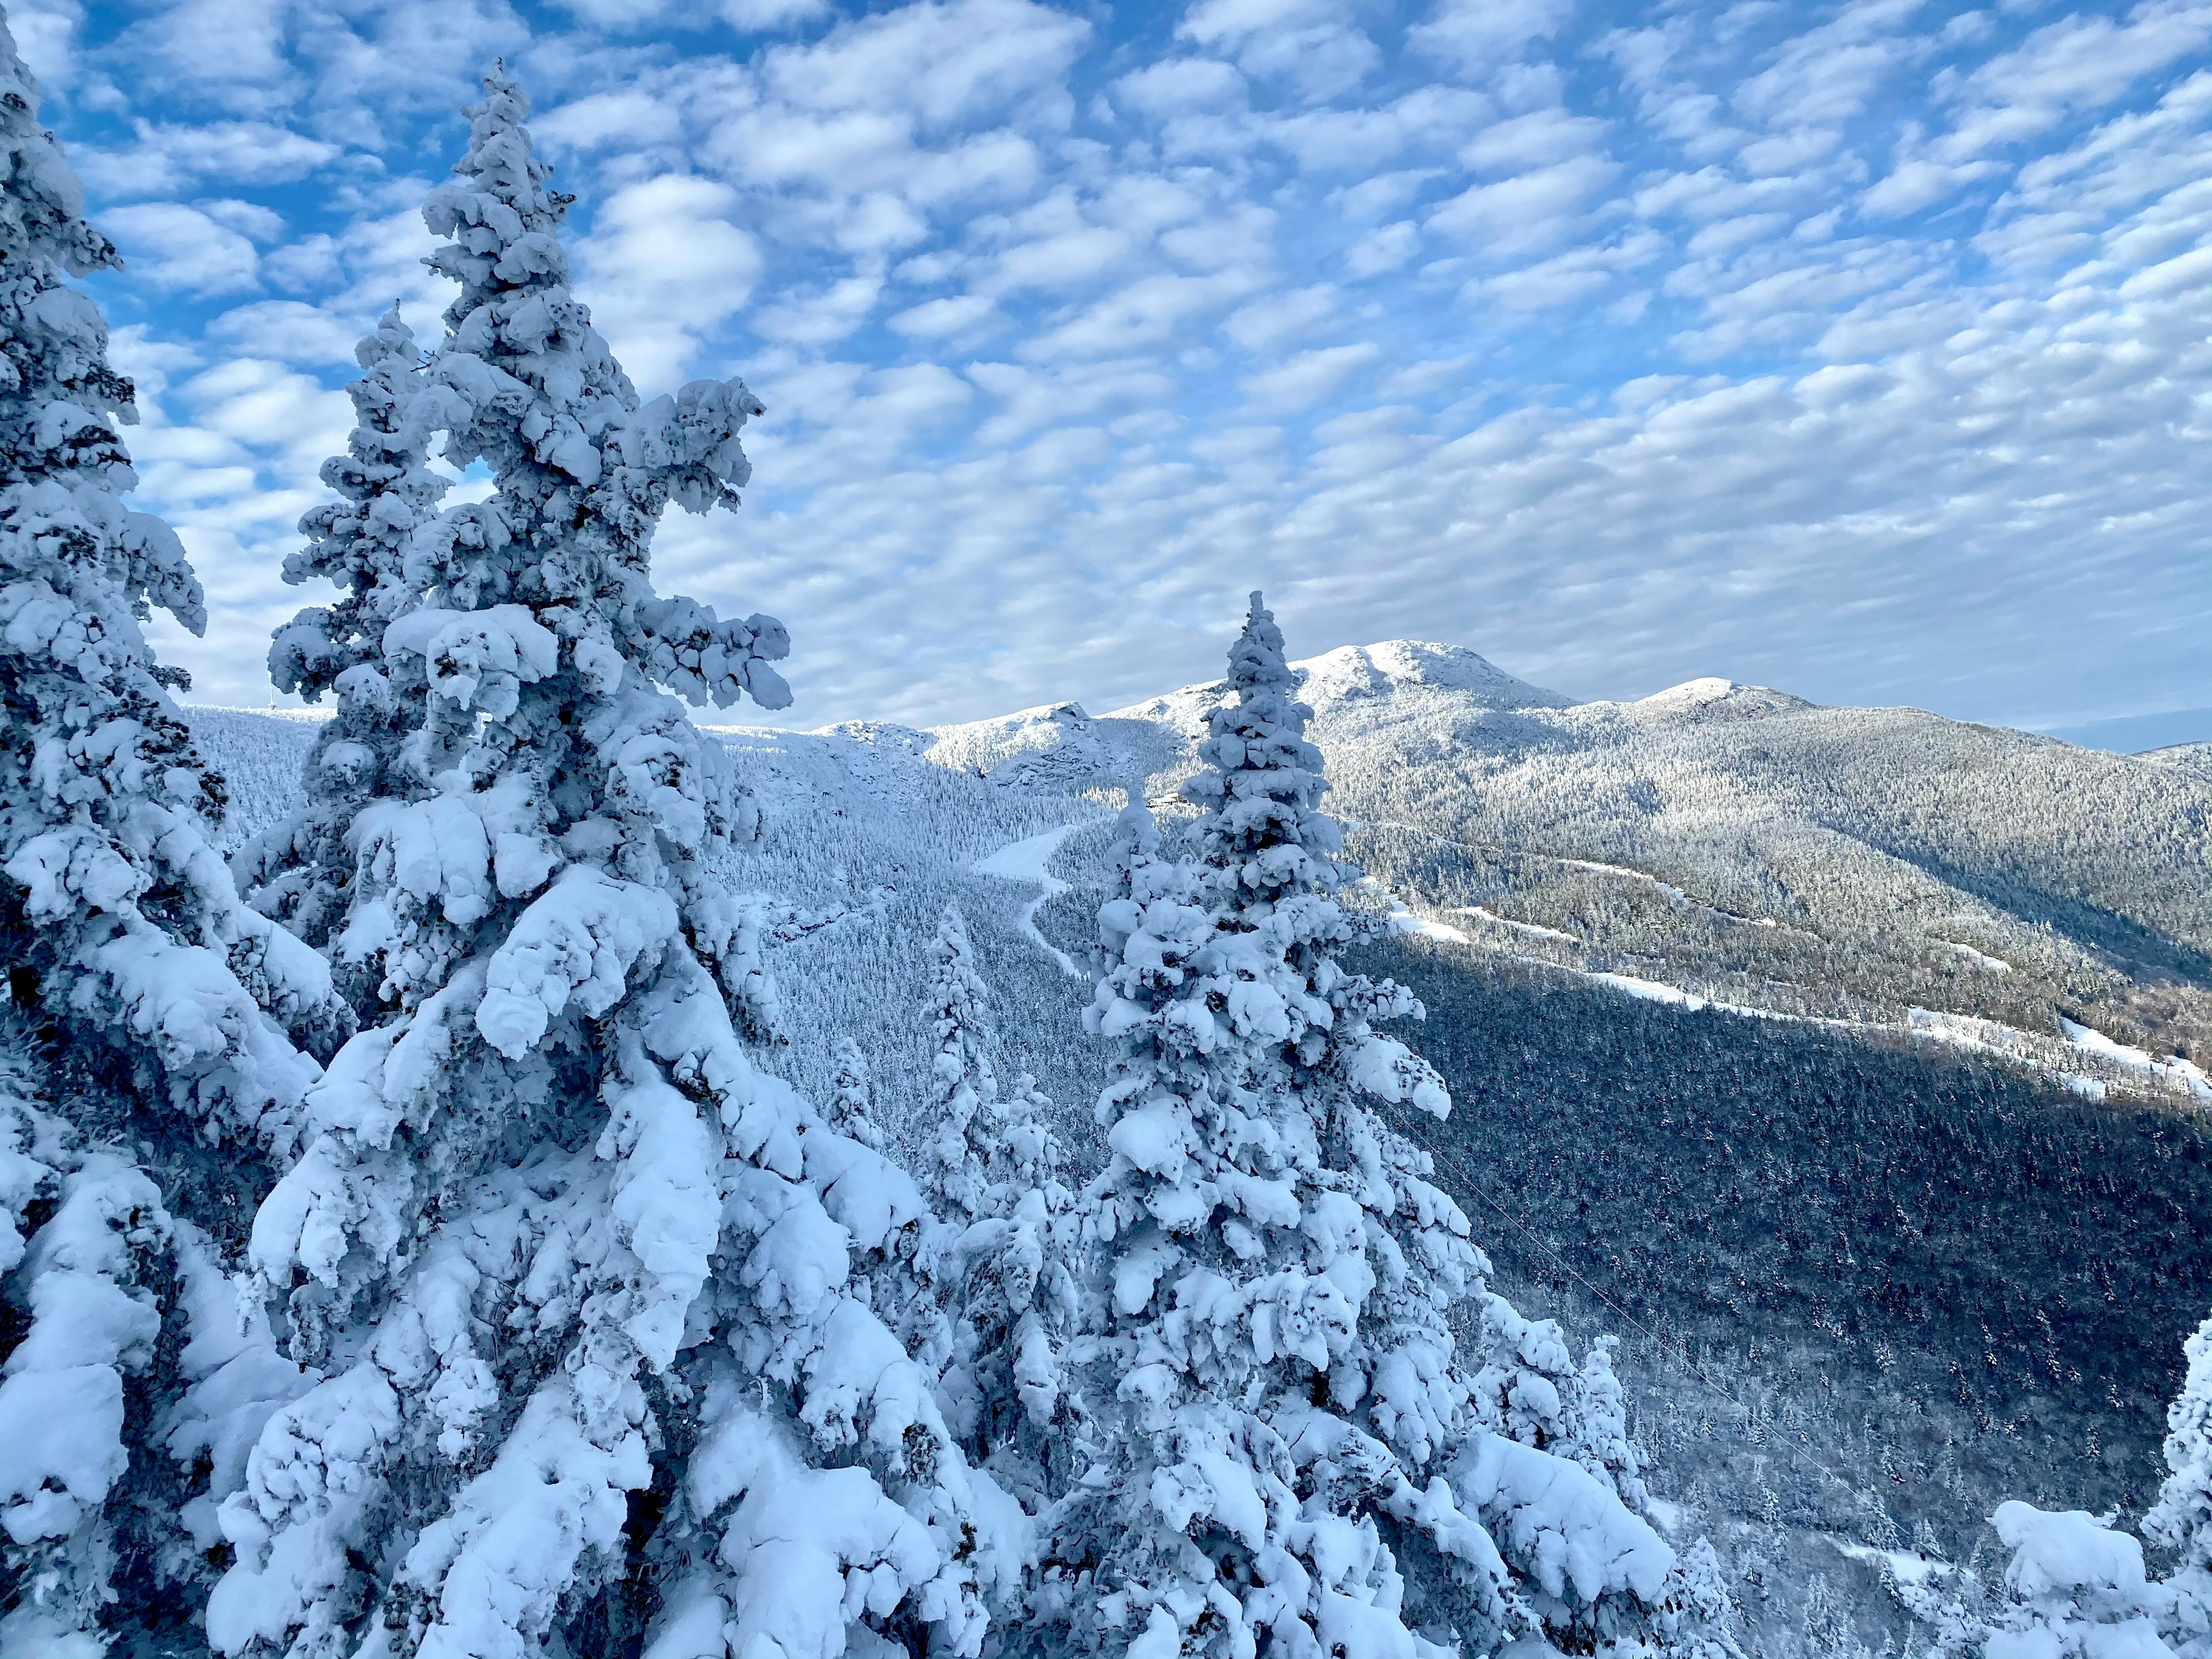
(1860, 349)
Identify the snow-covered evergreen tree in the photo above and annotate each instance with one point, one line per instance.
(2076, 1586)
(301, 873)
(578, 1278)
(851, 1107)
(963, 1085)
(1532, 1388)
(1275, 1405)
(2181, 1521)
(139, 995)
(993, 1254)
(118, 916)
(139, 990)
(2075, 1589)
(1019, 1302)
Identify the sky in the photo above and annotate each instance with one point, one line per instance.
(1863, 350)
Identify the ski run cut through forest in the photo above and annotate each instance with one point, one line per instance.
(505, 1160)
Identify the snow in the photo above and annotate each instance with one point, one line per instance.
(1902, 1565)
(1675, 895)
(2066, 1550)
(1025, 860)
(1988, 965)
(1531, 929)
(2076, 1043)
(1648, 990)
(1284, 1295)
(2176, 1067)
(1585, 1542)
(1403, 921)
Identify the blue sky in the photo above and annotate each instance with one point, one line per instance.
(1863, 350)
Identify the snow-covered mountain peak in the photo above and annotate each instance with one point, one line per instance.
(1691, 696)
(1366, 671)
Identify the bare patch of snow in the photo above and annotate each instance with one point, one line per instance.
(2173, 1068)
(1988, 964)
(1025, 860)
(1403, 921)
(1675, 895)
(1531, 929)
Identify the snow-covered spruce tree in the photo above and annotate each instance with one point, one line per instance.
(1274, 1408)
(852, 1108)
(302, 871)
(2181, 1520)
(579, 1280)
(992, 1251)
(963, 1085)
(120, 920)
(139, 990)
(2077, 1588)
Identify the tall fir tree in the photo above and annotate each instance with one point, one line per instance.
(852, 1108)
(2181, 1520)
(963, 1083)
(301, 872)
(1274, 1407)
(992, 1252)
(141, 1027)
(598, 1369)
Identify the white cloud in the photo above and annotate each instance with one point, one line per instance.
(1386, 248)
(942, 64)
(764, 15)
(173, 246)
(822, 316)
(1475, 35)
(1266, 323)
(1310, 376)
(1527, 213)
(291, 331)
(1312, 44)
(1147, 312)
(663, 269)
(1920, 183)
(1538, 139)
(2077, 63)
(959, 315)
(169, 157)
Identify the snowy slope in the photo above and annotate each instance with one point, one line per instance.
(1882, 867)
(2187, 757)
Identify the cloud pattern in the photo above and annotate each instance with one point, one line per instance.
(1861, 349)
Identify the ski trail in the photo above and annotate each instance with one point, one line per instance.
(1025, 860)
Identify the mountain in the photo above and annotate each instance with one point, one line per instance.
(1825, 1056)
(1887, 868)
(2187, 757)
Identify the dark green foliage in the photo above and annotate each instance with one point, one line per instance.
(1949, 1281)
